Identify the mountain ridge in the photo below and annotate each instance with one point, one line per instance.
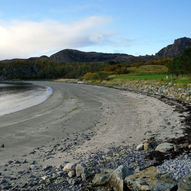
(73, 55)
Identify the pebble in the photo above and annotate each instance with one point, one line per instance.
(2, 145)
(178, 168)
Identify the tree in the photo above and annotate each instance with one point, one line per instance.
(181, 64)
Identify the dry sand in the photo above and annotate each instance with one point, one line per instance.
(112, 117)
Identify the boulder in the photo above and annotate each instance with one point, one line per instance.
(68, 167)
(102, 178)
(185, 184)
(150, 180)
(165, 147)
(80, 169)
(117, 177)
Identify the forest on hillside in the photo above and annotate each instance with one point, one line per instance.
(44, 68)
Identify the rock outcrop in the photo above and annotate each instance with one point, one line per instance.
(175, 49)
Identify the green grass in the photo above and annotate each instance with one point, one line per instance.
(152, 72)
(142, 77)
(183, 80)
(148, 69)
(161, 78)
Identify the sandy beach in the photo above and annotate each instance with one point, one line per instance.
(86, 119)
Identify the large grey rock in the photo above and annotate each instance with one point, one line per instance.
(185, 184)
(102, 178)
(150, 180)
(117, 177)
(165, 147)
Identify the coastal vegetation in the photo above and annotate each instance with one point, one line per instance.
(91, 66)
(165, 70)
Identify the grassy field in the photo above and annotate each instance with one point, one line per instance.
(148, 69)
(152, 73)
(145, 72)
(153, 77)
(143, 76)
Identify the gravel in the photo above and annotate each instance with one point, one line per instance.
(177, 168)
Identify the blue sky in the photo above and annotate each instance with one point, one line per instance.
(138, 27)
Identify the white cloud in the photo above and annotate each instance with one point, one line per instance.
(29, 38)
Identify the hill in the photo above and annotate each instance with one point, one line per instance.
(69, 55)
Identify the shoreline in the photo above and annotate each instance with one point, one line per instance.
(86, 144)
(22, 100)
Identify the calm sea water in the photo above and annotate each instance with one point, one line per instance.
(18, 96)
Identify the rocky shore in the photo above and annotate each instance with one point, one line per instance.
(177, 91)
(159, 162)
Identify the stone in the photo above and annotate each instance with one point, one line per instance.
(44, 177)
(80, 169)
(85, 175)
(150, 179)
(2, 145)
(73, 181)
(34, 162)
(71, 173)
(60, 173)
(17, 162)
(180, 147)
(165, 147)
(47, 168)
(117, 177)
(54, 176)
(102, 178)
(147, 146)
(185, 184)
(68, 167)
(140, 147)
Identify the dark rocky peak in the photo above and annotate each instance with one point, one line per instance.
(175, 49)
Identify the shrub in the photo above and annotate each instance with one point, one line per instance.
(96, 76)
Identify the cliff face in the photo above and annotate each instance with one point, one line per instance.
(175, 49)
